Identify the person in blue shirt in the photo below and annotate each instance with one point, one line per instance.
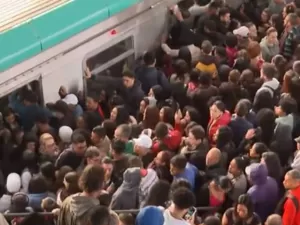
(180, 168)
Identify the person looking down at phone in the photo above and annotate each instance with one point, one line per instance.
(182, 199)
(241, 213)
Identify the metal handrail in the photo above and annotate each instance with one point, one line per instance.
(134, 211)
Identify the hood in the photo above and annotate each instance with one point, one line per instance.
(150, 215)
(224, 137)
(258, 174)
(131, 178)
(81, 204)
(274, 84)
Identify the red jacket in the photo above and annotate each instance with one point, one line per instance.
(290, 216)
(214, 125)
(231, 55)
(171, 142)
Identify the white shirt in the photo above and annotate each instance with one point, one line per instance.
(170, 220)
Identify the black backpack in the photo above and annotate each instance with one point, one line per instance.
(276, 93)
(279, 209)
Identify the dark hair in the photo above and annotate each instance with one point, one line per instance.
(161, 130)
(168, 116)
(206, 47)
(37, 185)
(180, 67)
(110, 127)
(180, 183)
(245, 200)
(220, 51)
(99, 215)
(183, 198)
(198, 132)
(260, 148)
(91, 178)
(223, 11)
(220, 105)
(241, 108)
(194, 113)
(185, 54)
(240, 163)
(205, 78)
(272, 162)
(179, 161)
(118, 146)
(151, 117)
(288, 105)
(48, 170)
(194, 75)
(263, 100)
(136, 130)
(158, 194)
(128, 74)
(77, 138)
(60, 176)
(91, 152)
(269, 70)
(225, 136)
(122, 115)
(72, 179)
(99, 131)
(149, 58)
(211, 220)
(231, 40)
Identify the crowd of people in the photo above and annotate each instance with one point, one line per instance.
(204, 130)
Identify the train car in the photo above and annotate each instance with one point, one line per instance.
(51, 42)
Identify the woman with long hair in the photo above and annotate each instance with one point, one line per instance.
(241, 213)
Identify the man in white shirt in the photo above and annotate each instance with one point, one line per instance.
(182, 199)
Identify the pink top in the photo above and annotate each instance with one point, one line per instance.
(214, 202)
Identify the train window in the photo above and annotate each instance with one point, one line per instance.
(98, 61)
(34, 86)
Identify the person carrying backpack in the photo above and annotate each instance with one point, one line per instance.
(289, 206)
(271, 84)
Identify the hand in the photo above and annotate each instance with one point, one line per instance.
(178, 116)
(192, 220)
(250, 134)
(87, 73)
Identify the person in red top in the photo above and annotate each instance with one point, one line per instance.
(219, 116)
(291, 212)
(231, 48)
(166, 139)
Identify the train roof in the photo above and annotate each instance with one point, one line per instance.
(28, 27)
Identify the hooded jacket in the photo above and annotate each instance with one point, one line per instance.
(74, 209)
(274, 84)
(150, 215)
(264, 192)
(127, 195)
(268, 51)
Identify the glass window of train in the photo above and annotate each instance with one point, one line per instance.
(118, 68)
(110, 53)
(34, 86)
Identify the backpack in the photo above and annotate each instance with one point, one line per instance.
(288, 195)
(276, 94)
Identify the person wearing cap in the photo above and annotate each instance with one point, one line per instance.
(13, 185)
(264, 191)
(242, 33)
(142, 148)
(72, 102)
(296, 161)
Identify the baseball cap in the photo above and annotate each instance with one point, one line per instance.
(297, 139)
(242, 31)
(251, 167)
(143, 141)
(70, 99)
